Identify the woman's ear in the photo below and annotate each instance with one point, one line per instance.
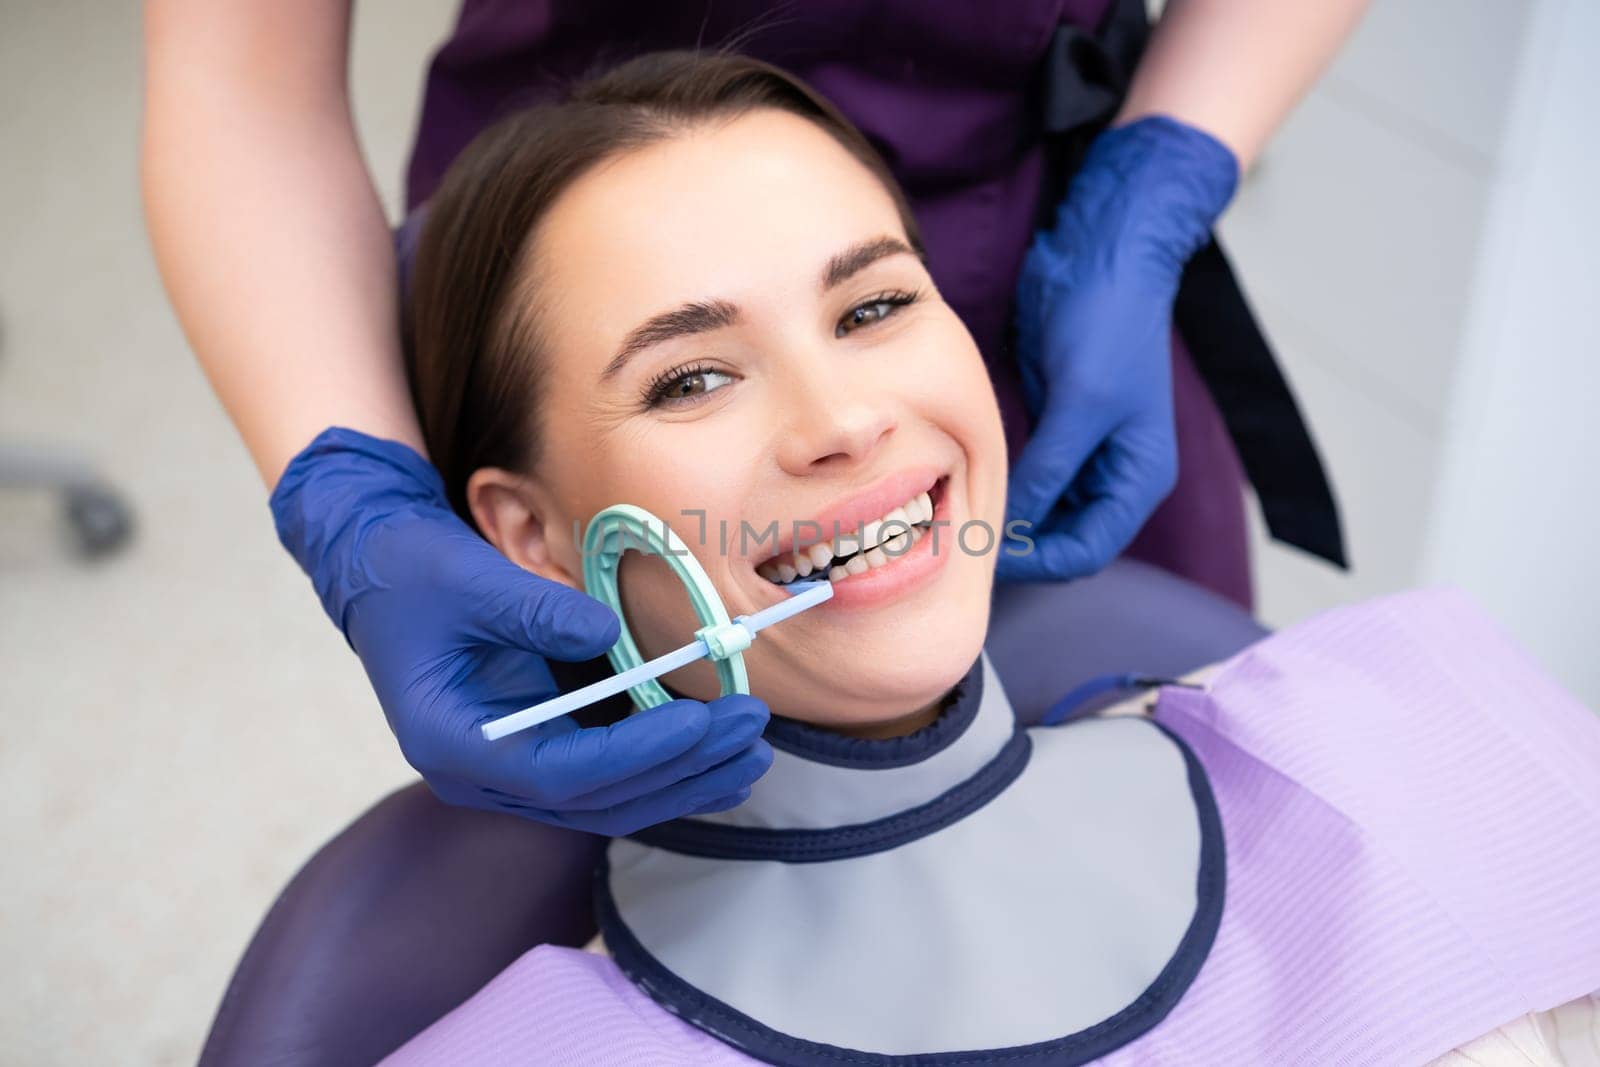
(509, 509)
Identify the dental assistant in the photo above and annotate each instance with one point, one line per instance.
(1066, 166)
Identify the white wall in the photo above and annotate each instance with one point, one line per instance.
(1414, 243)
(1517, 519)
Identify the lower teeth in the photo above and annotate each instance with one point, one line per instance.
(835, 569)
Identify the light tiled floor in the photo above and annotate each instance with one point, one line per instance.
(179, 726)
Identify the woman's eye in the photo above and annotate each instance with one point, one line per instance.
(686, 385)
(875, 310)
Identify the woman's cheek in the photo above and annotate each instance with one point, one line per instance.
(655, 603)
(692, 502)
(661, 618)
(971, 414)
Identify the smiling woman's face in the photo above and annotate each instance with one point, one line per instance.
(732, 324)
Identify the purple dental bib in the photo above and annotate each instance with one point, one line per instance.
(1411, 812)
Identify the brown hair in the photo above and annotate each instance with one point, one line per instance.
(473, 354)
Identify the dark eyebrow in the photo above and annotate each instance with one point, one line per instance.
(859, 257)
(702, 316)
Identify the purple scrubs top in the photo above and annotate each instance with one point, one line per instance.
(949, 94)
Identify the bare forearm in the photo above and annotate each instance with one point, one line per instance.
(1235, 68)
(267, 231)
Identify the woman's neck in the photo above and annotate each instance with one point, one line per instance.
(877, 730)
(897, 727)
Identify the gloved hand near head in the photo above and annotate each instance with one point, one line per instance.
(1094, 320)
(451, 634)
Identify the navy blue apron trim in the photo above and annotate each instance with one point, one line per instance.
(693, 837)
(1085, 77)
(1138, 1018)
(859, 753)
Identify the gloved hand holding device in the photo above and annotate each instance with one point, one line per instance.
(451, 634)
(1094, 320)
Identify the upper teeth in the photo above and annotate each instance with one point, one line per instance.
(874, 544)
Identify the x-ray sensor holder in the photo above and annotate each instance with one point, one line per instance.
(721, 639)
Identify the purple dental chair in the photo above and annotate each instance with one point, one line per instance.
(416, 905)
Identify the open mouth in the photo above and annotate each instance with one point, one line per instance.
(867, 546)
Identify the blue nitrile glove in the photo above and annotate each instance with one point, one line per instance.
(1094, 315)
(451, 634)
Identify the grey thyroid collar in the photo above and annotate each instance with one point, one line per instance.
(972, 888)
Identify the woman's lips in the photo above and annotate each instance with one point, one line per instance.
(901, 573)
(872, 543)
(904, 573)
(845, 518)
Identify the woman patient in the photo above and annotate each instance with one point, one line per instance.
(695, 288)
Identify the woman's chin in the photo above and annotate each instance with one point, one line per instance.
(885, 678)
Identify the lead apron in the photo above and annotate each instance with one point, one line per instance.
(850, 909)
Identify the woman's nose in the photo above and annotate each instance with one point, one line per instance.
(836, 419)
